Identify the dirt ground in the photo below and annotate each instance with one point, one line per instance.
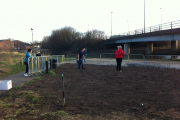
(99, 90)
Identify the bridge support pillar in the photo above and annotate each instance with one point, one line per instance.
(174, 45)
(127, 48)
(150, 48)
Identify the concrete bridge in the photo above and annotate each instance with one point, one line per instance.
(163, 32)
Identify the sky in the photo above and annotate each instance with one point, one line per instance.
(17, 17)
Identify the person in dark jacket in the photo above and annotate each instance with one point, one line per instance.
(38, 53)
(119, 56)
(28, 54)
(80, 58)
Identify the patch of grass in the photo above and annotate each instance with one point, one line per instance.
(37, 78)
(17, 87)
(18, 111)
(33, 80)
(62, 113)
(42, 74)
(12, 93)
(43, 115)
(8, 104)
(53, 114)
(13, 106)
(31, 95)
(10, 64)
(49, 95)
(52, 73)
(35, 100)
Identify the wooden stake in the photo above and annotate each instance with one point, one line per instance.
(63, 91)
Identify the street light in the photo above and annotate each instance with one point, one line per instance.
(161, 18)
(128, 26)
(88, 27)
(144, 16)
(111, 24)
(32, 34)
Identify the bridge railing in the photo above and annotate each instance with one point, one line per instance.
(159, 27)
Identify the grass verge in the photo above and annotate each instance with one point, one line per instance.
(11, 63)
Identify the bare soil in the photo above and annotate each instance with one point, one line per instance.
(144, 93)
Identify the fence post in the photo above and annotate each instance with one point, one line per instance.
(57, 60)
(28, 66)
(144, 58)
(51, 62)
(62, 58)
(100, 57)
(128, 58)
(150, 29)
(168, 62)
(32, 65)
(38, 65)
(46, 67)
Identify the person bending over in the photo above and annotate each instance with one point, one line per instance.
(28, 54)
(80, 58)
(119, 56)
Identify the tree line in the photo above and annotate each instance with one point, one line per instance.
(68, 40)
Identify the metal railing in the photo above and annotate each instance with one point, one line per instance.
(106, 58)
(139, 60)
(160, 27)
(37, 65)
(163, 61)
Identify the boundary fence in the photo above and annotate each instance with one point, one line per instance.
(140, 60)
(39, 65)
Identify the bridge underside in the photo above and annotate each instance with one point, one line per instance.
(174, 46)
(174, 38)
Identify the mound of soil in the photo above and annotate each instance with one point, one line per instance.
(100, 90)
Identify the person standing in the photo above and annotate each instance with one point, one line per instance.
(28, 54)
(119, 56)
(38, 53)
(80, 58)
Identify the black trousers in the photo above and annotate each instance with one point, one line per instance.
(119, 61)
(26, 67)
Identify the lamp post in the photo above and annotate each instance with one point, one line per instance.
(128, 26)
(32, 34)
(144, 16)
(111, 24)
(161, 18)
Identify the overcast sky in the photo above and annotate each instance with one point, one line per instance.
(17, 17)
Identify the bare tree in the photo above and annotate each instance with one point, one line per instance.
(68, 38)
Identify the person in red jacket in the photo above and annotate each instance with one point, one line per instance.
(119, 55)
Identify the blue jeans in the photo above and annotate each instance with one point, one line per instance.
(80, 62)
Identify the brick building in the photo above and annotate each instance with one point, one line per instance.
(22, 45)
(6, 44)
